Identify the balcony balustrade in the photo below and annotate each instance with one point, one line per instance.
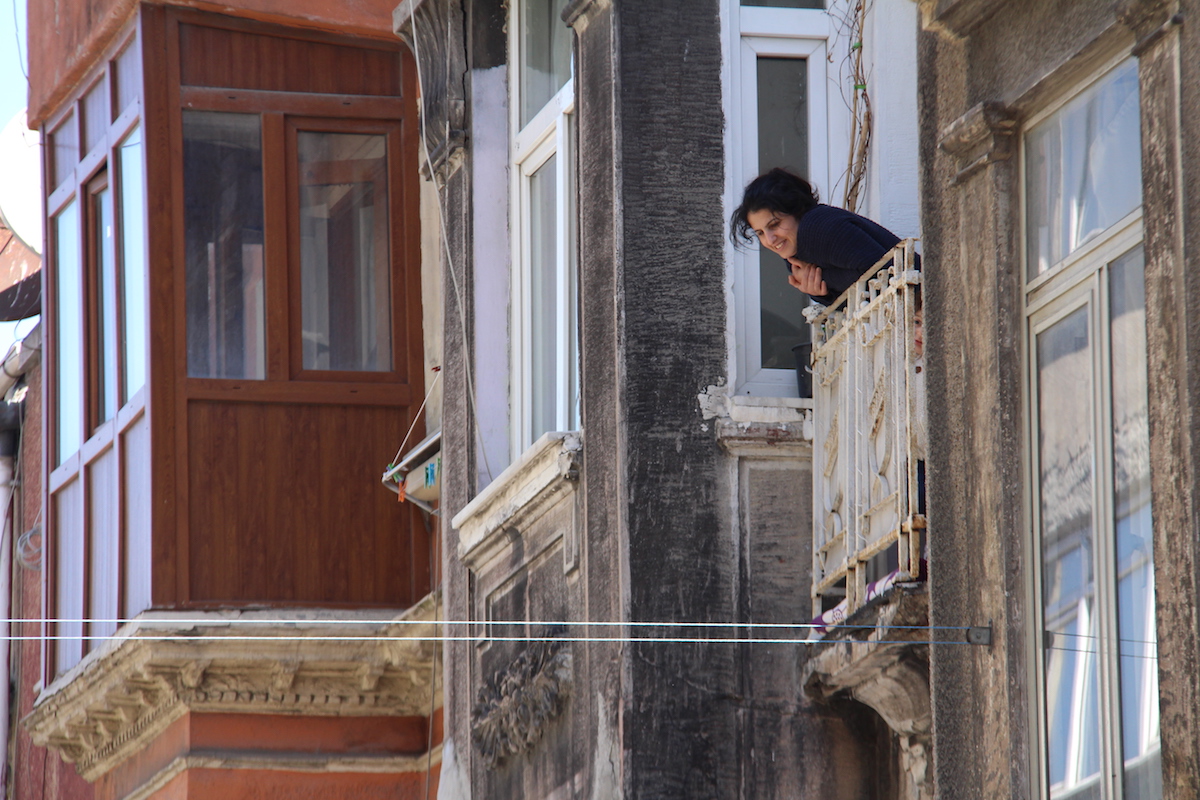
(868, 448)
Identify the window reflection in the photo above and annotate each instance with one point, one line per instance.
(1134, 545)
(344, 222)
(1082, 171)
(133, 262)
(545, 54)
(68, 330)
(1064, 365)
(104, 252)
(223, 221)
(543, 296)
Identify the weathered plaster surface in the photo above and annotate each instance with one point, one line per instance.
(1007, 60)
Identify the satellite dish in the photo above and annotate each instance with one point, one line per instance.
(21, 189)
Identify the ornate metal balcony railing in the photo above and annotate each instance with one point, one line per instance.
(868, 448)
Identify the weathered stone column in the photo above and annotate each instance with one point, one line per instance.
(433, 29)
(976, 563)
(1168, 52)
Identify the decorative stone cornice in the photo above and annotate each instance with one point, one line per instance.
(433, 30)
(984, 135)
(519, 495)
(514, 707)
(957, 17)
(161, 666)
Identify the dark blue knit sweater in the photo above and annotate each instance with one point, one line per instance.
(843, 244)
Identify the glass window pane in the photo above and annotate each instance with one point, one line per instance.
(65, 146)
(344, 223)
(545, 54)
(1082, 169)
(95, 114)
(223, 219)
(786, 3)
(68, 332)
(1134, 545)
(106, 303)
(1064, 370)
(133, 261)
(543, 298)
(782, 142)
(127, 77)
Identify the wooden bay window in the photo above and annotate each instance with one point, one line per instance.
(235, 320)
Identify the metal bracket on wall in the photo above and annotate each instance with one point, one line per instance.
(980, 634)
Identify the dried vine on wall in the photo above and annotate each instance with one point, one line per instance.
(860, 109)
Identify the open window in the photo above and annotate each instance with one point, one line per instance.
(778, 117)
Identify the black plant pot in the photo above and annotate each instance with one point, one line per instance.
(803, 354)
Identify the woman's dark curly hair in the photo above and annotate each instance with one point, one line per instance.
(779, 191)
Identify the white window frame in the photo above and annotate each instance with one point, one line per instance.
(1077, 281)
(546, 135)
(755, 31)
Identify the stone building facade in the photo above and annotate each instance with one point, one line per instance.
(1012, 95)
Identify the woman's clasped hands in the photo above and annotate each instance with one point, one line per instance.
(807, 278)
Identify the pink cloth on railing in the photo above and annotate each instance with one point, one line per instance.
(837, 615)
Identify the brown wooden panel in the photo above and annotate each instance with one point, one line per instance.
(242, 60)
(286, 507)
(251, 101)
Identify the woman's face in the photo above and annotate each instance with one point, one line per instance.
(776, 231)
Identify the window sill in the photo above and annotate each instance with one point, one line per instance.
(520, 494)
(761, 427)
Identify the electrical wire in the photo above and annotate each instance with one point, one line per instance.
(17, 36)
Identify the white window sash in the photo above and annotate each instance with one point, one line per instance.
(787, 33)
(546, 135)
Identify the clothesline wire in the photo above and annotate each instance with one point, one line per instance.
(158, 622)
(523, 639)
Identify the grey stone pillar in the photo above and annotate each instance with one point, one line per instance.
(1169, 76)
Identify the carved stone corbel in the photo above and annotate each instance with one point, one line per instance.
(433, 30)
(984, 135)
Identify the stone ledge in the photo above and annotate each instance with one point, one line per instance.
(760, 427)
(520, 494)
(161, 666)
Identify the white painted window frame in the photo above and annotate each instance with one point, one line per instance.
(546, 135)
(1075, 282)
(753, 31)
